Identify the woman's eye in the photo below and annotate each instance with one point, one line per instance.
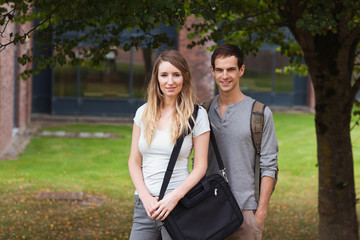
(163, 75)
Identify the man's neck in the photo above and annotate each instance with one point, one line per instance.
(226, 98)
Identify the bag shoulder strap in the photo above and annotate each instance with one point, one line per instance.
(256, 124)
(219, 160)
(174, 155)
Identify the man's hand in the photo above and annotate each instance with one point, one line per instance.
(267, 184)
(260, 218)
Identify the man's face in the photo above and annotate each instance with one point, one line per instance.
(227, 73)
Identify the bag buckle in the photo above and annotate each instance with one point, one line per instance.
(223, 174)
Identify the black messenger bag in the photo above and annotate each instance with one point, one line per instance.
(209, 210)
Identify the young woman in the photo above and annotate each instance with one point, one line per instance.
(157, 125)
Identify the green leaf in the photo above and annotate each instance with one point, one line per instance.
(61, 59)
(126, 47)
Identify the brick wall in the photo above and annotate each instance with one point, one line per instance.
(198, 59)
(15, 101)
(6, 92)
(23, 87)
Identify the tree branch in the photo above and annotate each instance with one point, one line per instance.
(25, 35)
(12, 12)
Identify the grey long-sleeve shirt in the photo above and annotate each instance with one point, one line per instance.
(233, 136)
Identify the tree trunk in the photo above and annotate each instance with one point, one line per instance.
(329, 55)
(337, 205)
(331, 76)
(148, 64)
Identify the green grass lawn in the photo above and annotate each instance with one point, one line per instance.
(99, 167)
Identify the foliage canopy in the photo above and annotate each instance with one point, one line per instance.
(134, 23)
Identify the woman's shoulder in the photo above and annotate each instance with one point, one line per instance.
(202, 122)
(202, 113)
(139, 113)
(141, 109)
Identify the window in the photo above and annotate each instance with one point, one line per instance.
(260, 73)
(283, 82)
(122, 75)
(65, 81)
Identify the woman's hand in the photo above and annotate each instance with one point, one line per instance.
(166, 205)
(150, 204)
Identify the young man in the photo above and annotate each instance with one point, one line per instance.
(230, 114)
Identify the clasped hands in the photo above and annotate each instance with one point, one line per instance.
(159, 210)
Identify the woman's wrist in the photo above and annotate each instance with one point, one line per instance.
(143, 195)
(178, 194)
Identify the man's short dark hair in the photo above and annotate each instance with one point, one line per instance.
(227, 50)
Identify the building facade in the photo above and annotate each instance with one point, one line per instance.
(119, 87)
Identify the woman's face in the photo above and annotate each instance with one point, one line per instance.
(170, 80)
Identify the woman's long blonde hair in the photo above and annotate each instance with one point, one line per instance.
(184, 104)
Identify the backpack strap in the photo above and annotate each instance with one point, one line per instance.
(257, 123)
(207, 104)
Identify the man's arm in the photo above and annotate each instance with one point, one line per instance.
(266, 189)
(268, 166)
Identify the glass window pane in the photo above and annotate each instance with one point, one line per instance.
(65, 81)
(260, 72)
(112, 78)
